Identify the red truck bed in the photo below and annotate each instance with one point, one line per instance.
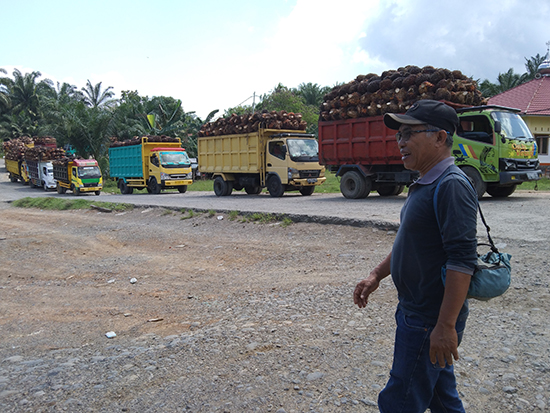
(364, 141)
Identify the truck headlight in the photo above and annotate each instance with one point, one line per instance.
(164, 177)
(293, 173)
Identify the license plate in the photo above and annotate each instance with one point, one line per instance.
(311, 180)
(532, 175)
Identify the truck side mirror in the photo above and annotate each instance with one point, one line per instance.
(498, 126)
(284, 149)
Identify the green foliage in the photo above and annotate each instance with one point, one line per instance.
(509, 79)
(62, 204)
(233, 215)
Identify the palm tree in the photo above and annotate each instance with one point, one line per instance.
(532, 65)
(312, 93)
(94, 97)
(506, 81)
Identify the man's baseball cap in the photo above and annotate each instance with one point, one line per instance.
(424, 111)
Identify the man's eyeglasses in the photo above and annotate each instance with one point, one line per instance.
(407, 134)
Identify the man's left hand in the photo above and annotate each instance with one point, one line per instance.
(443, 345)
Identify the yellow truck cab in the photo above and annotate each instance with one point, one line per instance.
(281, 160)
(78, 176)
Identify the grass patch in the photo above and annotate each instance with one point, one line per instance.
(63, 204)
(286, 222)
(211, 213)
(261, 218)
(233, 215)
(190, 214)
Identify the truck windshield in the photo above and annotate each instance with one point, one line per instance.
(87, 172)
(303, 150)
(174, 158)
(513, 126)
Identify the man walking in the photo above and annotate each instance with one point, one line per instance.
(430, 316)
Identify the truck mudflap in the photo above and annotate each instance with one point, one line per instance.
(510, 177)
(307, 181)
(172, 183)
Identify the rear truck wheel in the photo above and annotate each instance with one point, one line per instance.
(307, 190)
(13, 178)
(476, 180)
(59, 189)
(237, 187)
(154, 185)
(228, 188)
(253, 189)
(501, 191)
(274, 186)
(390, 190)
(124, 188)
(353, 185)
(182, 189)
(220, 186)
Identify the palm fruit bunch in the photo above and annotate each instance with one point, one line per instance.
(15, 148)
(136, 140)
(394, 91)
(237, 124)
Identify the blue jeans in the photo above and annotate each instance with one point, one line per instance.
(415, 384)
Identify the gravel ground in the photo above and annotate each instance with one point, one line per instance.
(232, 316)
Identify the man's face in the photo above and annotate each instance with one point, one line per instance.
(418, 152)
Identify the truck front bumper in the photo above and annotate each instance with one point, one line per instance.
(517, 177)
(91, 189)
(307, 181)
(182, 182)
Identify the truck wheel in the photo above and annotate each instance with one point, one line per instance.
(354, 186)
(182, 189)
(274, 186)
(220, 186)
(501, 191)
(76, 191)
(307, 190)
(476, 180)
(390, 190)
(12, 178)
(124, 188)
(59, 189)
(253, 189)
(154, 186)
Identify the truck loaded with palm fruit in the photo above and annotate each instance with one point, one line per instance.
(261, 150)
(493, 145)
(150, 162)
(77, 175)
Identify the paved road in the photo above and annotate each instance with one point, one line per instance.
(522, 217)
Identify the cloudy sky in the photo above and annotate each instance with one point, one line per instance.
(216, 54)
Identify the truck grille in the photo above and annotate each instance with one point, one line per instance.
(309, 174)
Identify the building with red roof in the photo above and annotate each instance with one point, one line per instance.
(533, 100)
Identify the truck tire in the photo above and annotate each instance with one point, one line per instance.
(60, 189)
(154, 186)
(501, 191)
(97, 193)
(182, 189)
(221, 187)
(390, 190)
(124, 188)
(354, 186)
(274, 186)
(479, 185)
(13, 178)
(253, 189)
(76, 191)
(307, 190)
